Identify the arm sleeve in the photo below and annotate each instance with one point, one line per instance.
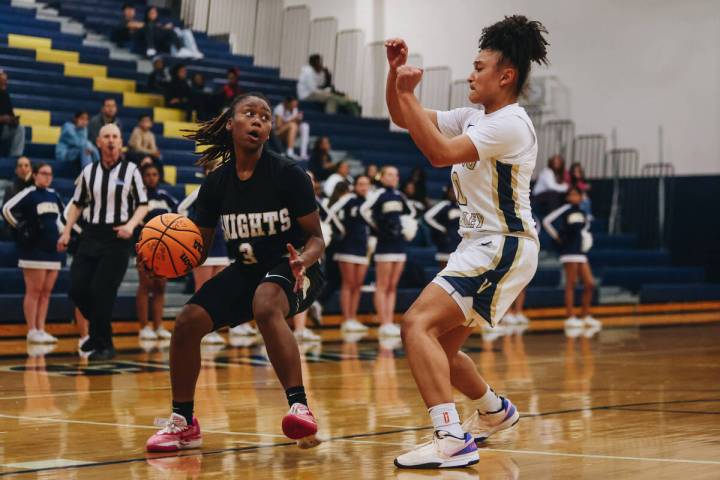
(82, 193)
(138, 189)
(504, 138)
(13, 207)
(451, 122)
(300, 195)
(550, 218)
(61, 213)
(432, 213)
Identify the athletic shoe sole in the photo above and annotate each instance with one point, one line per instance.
(460, 461)
(175, 446)
(302, 431)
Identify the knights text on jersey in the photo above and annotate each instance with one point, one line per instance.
(258, 215)
(494, 192)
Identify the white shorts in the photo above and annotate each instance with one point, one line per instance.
(348, 258)
(486, 274)
(574, 258)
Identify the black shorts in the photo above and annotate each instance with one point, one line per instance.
(228, 296)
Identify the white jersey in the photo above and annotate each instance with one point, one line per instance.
(494, 191)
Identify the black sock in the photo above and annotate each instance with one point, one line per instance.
(185, 409)
(296, 395)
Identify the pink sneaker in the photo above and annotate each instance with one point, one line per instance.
(175, 435)
(299, 424)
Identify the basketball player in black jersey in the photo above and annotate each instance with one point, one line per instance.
(266, 206)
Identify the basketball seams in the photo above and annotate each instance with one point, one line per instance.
(161, 239)
(162, 234)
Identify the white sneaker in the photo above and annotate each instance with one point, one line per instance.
(522, 319)
(82, 340)
(510, 320)
(591, 322)
(213, 338)
(482, 425)
(147, 333)
(389, 330)
(352, 325)
(45, 337)
(306, 335)
(151, 52)
(574, 322)
(444, 451)
(163, 334)
(243, 330)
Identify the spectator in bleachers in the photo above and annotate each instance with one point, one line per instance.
(288, 123)
(12, 134)
(315, 85)
(73, 144)
(36, 214)
(569, 226)
(142, 141)
(550, 187)
(108, 114)
(409, 189)
(351, 252)
(382, 211)
(157, 36)
(321, 162)
(341, 174)
(159, 77)
(419, 177)
(372, 172)
(231, 89)
(159, 202)
(444, 220)
(203, 100)
(22, 179)
(576, 178)
(178, 92)
(125, 32)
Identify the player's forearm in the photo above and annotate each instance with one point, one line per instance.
(391, 97)
(425, 135)
(313, 250)
(137, 217)
(71, 218)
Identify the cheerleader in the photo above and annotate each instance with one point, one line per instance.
(36, 215)
(569, 226)
(79, 318)
(159, 202)
(444, 219)
(216, 261)
(352, 251)
(383, 211)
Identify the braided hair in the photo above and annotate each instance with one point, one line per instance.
(213, 134)
(519, 41)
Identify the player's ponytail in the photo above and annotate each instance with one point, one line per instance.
(216, 139)
(519, 41)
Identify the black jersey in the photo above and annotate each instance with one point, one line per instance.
(258, 215)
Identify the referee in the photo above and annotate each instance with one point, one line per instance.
(113, 192)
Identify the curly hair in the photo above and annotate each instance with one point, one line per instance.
(213, 134)
(519, 41)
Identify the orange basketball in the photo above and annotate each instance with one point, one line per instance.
(170, 245)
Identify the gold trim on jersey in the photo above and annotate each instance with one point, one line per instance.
(516, 201)
(496, 196)
(498, 288)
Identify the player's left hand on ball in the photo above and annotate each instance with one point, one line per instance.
(297, 267)
(408, 78)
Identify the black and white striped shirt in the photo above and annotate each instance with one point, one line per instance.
(110, 195)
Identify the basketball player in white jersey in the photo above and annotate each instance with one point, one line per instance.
(492, 151)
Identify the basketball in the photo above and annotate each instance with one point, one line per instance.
(170, 245)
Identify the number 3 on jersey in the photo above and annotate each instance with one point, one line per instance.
(248, 255)
(461, 198)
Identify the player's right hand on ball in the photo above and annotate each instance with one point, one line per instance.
(397, 52)
(142, 266)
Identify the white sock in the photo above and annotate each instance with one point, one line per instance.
(445, 417)
(489, 402)
(290, 151)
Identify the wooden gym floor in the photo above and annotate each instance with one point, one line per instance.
(626, 403)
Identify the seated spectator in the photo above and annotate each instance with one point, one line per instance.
(21, 180)
(204, 101)
(550, 187)
(288, 122)
(159, 77)
(73, 145)
(124, 33)
(165, 38)
(178, 91)
(342, 174)
(12, 134)
(315, 85)
(321, 163)
(231, 89)
(142, 140)
(409, 189)
(108, 114)
(576, 178)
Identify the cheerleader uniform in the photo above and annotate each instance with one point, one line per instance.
(159, 202)
(218, 255)
(568, 225)
(36, 213)
(444, 219)
(382, 211)
(353, 244)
